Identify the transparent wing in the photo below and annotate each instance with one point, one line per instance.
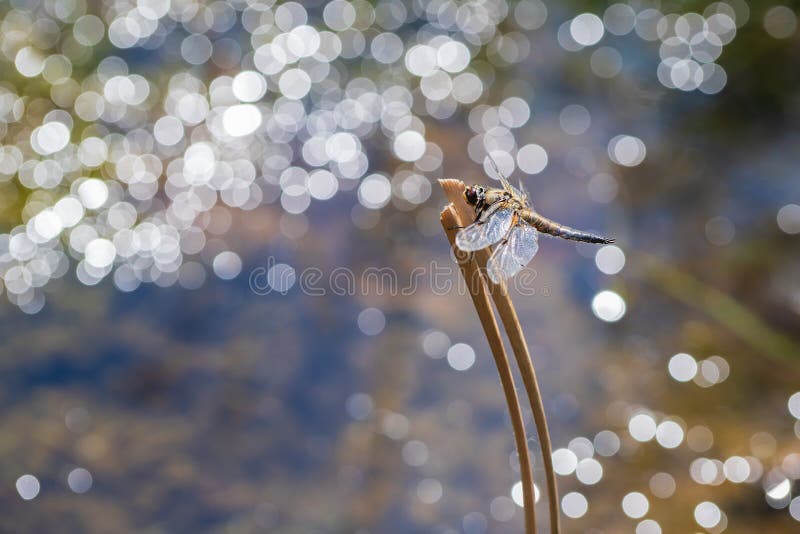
(510, 188)
(523, 191)
(513, 253)
(485, 232)
(503, 180)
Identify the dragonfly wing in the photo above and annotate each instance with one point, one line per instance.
(510, 188)
(523, 191)
(513, 253)
(485, 232)
(503, 180)
(526, 244)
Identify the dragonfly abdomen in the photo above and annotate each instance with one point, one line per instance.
(547, 226)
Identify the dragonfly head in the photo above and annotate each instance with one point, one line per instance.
(474, 194)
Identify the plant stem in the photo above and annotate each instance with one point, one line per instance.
(723, 308)
(480, 299)
(454, 190)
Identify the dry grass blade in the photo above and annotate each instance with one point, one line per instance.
(727, 311)
(454, 190)
(480, 299)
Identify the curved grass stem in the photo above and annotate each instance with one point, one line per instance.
(464, 214)
(480, 299)
(721, 307)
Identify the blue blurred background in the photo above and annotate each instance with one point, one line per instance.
(230, 307)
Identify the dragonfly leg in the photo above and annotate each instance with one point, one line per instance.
(508, 234)
(514, 222)
(479, 223)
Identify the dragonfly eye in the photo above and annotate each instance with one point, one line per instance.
(472, 194)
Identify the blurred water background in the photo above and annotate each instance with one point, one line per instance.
(229, 305)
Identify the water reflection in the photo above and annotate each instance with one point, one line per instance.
(154, 154)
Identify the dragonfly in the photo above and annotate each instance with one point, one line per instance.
(505, 217)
